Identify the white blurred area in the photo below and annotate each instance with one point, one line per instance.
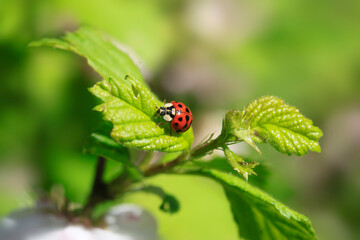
(225, 22)
(124, 222)
(215, 26)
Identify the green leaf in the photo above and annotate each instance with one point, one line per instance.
(258, 215)
(101, 145)
(134, 117)
(269, 119)
(103, 56)
(128, 103)
(169, 203)
(239, 164)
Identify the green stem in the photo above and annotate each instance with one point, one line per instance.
(207, 147)
(197, 152)
(144, 164)
(161, 168)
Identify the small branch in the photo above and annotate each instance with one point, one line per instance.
(197, 152)
(207, 147)
(99, 189)
(163, 167)
(146, 160)
(98, 180)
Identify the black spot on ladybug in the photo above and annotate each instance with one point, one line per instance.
(187, 118)
(180, 106)
(180, 119)
(176, 124)
(187, 110)
(179, 130)
(185, 126)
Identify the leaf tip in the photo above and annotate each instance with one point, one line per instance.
(249, 141)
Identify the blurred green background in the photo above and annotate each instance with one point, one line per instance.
(213, 55)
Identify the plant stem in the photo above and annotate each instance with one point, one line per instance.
(197, 152)
(207, 147)
(98, 180)
(164, 167)
(99, 189)
(146, 160)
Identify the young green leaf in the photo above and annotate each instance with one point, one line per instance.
(258, 215)
(128, 103)
(235, 130)
(239, 164)
(269, 119)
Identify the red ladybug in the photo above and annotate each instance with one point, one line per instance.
(178, 114)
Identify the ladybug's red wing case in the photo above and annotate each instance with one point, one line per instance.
(178, 114)
(181, 122)
(181, 107)
(182, 119)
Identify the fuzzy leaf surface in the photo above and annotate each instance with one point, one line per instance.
(258, 215)
(127, 101)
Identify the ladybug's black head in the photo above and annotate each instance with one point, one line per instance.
(161, 111)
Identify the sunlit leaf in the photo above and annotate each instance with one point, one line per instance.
(134, 117)
(269, 119)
